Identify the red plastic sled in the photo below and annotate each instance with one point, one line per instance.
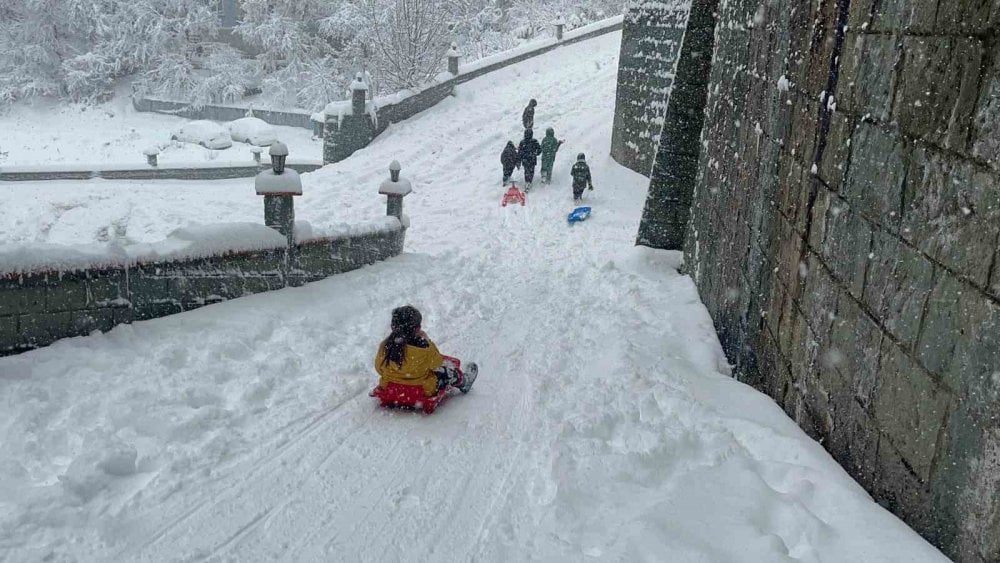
(513, 195)
(400, 395)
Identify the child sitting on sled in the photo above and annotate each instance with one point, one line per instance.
(408, 357)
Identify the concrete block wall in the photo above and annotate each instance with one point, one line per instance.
(651, 44)
(38, 308)
(844, 234)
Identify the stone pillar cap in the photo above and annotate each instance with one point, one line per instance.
(150, 151)
(559, 20)
(287, 183)
(400, 188)
(278, 149)
(394, 166)
(453, 52)
(359, 83)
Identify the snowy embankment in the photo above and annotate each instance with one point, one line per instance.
(603, 425)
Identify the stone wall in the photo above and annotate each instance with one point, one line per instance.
(38, 308)
(651, 45)
(672, 179)
(844, 236)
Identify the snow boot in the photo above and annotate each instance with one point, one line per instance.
(469, 377)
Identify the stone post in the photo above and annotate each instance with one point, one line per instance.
(359, 91)
(395, 188)
(256, 154)
(560, 24)
(453, 60)
(151, 155)
(278, 185)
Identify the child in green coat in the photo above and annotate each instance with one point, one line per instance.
(549, 147)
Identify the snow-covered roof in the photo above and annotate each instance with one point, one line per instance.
(286, 183)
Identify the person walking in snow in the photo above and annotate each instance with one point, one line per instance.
(528, 151)
(509, 159)
(408, 357)
(549, 147)
(528, 117)
(581, 177)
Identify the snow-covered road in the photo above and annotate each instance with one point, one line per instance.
(603, 425)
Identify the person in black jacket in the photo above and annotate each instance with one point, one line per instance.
(581, 177)
(528, 117)
(528, 150)
(509, 159)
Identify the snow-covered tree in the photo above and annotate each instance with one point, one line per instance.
(298, 52)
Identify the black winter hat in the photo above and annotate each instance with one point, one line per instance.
(532, 102)
(581, 157)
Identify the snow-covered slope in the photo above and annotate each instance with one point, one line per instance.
(603, 425)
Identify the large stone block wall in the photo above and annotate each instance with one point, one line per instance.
(38, 308)
(651, 44)
(671, 185)
(844, 234)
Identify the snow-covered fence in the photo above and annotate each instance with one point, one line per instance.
(346, 130)
(49, 292)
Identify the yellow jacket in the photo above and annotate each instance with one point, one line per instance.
(419, 362)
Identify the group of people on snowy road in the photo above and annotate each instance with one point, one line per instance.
(526, 154)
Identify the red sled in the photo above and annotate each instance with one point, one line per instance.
(513, 195)
(401, 395)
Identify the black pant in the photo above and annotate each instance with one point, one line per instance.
(529, 171)
(578, 191)
(507, 172)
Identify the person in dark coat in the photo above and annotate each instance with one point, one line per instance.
(528, 150)
(549, 147)
(509, 159)
(581, 177)
(528, 117)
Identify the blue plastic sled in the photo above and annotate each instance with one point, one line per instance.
(579, 214)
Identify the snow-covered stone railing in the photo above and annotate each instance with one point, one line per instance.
(49, 292)
(221, 112)
(214, 170)
(345, 131)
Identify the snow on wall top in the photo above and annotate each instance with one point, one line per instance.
(188, 243)
(306, 232)
(199, 241)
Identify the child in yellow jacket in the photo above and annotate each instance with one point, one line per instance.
(408, 357)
